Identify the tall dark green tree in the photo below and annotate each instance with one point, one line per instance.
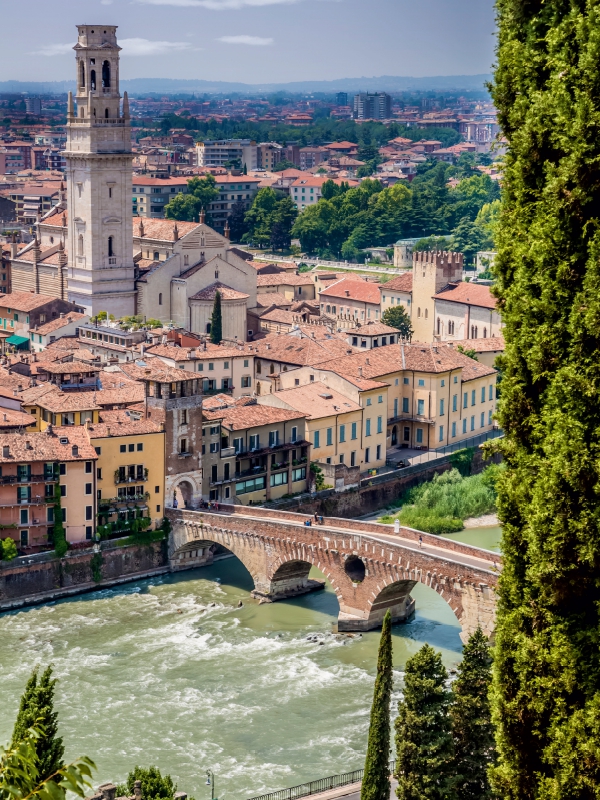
(37, 709)
(376, 779)
(216, 320)
(546, 688)
(474, 745)
(424, 747)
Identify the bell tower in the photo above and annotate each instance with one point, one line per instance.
(100, 273)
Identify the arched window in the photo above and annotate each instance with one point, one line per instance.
(186, 261)
(419, 312)
(485, 333)
(272, 369)
(81, 73)
(93, 80)
(106, 113)
(208, 327)
(81, 112)
(156, 255)
(439, 326)
(426, 313)
(80, 244)
(160, 299)
(106, 74)
(258, 368)
(110, 247)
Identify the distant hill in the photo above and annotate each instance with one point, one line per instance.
(385, 83)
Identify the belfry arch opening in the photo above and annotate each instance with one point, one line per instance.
(106, 75)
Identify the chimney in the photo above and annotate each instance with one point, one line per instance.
(360, 372)
(28, 446)
(5, 418)
(13, 247)
(226, 232)
(49, 430)
(108, 431)
(367, 362)
(62, 316)
(202, 217)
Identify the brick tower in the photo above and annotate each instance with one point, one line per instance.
(431, 272)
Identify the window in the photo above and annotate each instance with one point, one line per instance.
(182, 421)
(405, 381)
(253, 485)
(454, 429)
(183, 446)
(24, 538)
(88, 467)
(464, 430)
(443, 383)
(329, 436)
(482, 422)
(279, 478)
(273, 438)
(395, 406)
(294, 436)
(131, 447)
(62, 469)
(420, 407)
(63, 490)
(368, 427)
(421, 382)
(89, 512)
(483, 394)
(211, 366)
(473, 423)
(238, 445)
(245, 362)
(379, 424)
(491, 394)
(200, 367)
(24, 514)
(342, 433)
(50, 514)
(316, 438)
(490, 414)
(405, 405)
(473, 397)
(380, 398)
(419, 435)
(122, 448)
(441, 433)
(367, 455)
(454, 402)
(456, 379)
(353, 458)
(246, 382)
(88, 488)
(353, 431)
(465, 399)
(214, 447)
(254, 441)
(368, 401)
(299, 474)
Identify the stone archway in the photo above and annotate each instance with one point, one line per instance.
(290, 579)
(184, 491)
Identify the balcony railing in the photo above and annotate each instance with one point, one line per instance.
(271, 448)
(7, 479)
(131, 479)
(134, 498)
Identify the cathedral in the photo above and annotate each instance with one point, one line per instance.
(92, 251)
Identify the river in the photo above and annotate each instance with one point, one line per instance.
(171, 672)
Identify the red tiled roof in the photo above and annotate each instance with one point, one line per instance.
(51, 445)
(353, 289)
(402, 283)
(473, 294)
(226, 292)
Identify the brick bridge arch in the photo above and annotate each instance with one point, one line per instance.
(278, 551)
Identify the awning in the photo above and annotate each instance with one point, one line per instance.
(18, 341)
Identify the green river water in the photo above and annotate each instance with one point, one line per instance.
(171, 672)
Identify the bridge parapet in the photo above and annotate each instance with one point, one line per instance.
(370, 570)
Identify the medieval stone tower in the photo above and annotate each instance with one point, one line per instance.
(431, 272)
(98, 156)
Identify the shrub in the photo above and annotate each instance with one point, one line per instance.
(154, 785)
(8, 550)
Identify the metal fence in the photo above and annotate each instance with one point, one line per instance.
(315, 787)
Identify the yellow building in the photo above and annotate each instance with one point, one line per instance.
(48, 405)
(130, 476)
(341, 430)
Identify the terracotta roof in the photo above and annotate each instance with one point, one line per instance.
(317, 400)
(490, 345)
(301, 350)
(353, 289)
(473, 294)
(11, 418)
(213, 351)
(54, 444)
(59, 322)
(116, 427)
(68, 367)
(226, 292)
(252, 416)
(34, 393)
(279, 315)
(132, 392)
(56, 218)
(402, 283)
(155, 370)
(58, 401)
(373, 329)
(161, 229)
(416, 357)
(283, 279)
(24, 301)
(272, 298)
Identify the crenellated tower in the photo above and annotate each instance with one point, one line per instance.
(431, 272)
(100, 274)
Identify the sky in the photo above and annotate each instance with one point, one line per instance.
(254, 41)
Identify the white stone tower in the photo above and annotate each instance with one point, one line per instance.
(98, 156)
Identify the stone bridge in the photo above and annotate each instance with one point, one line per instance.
(370, 567)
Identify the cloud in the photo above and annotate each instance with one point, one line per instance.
(106, 2)
(256, 41)
(131, 47)
(218, 5)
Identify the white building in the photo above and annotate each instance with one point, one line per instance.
(217, 152)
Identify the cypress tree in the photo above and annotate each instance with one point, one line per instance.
(546, 674)
(470, 714)
(424, 748)
(216, 321)
(376, 779)
(37, 708)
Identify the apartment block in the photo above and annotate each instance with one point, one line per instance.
(218, 152)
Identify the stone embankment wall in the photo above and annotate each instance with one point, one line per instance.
(357, 502)
(38, 579)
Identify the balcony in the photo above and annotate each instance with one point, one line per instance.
(138, 478)
(227, 452)
(264, 450)
(8, 479)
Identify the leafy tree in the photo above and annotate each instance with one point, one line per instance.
(8, 549)
(376, 778)
(155, 786)
(546, 697)
(59, 537)
(432, 243)
(468, 351)
(20, 778)
(424, 747)
(396, 317)
(282, 221)
(216, 321)
(237, 221)
(470, 713)
(468, 238)
(259, 218)
(201, 193)
(37, 710)
(284, 164)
